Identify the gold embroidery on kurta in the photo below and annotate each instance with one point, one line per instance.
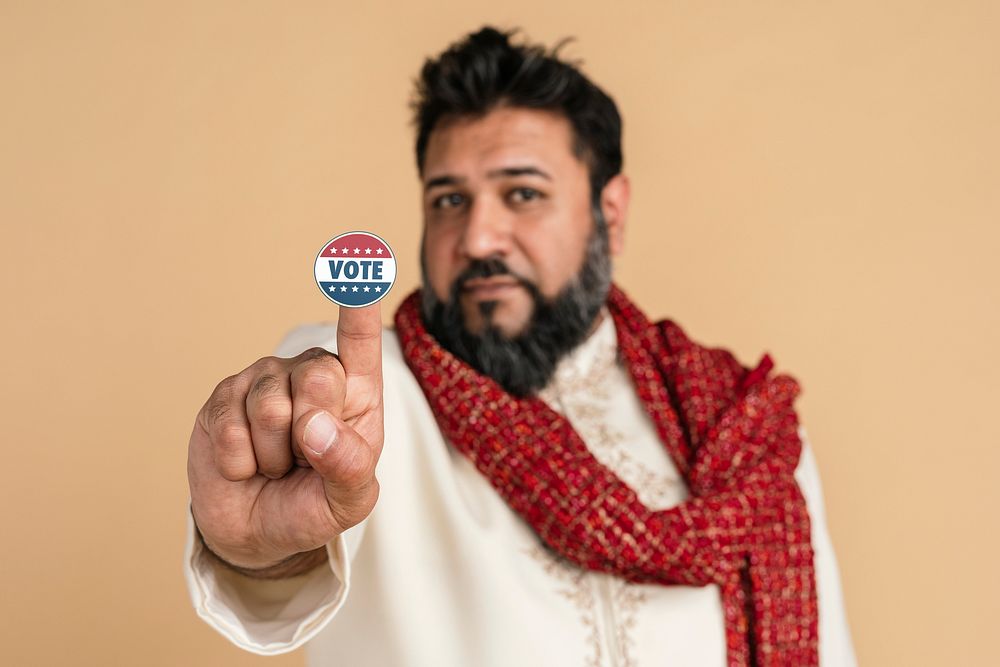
(577, 589)
(583, 396)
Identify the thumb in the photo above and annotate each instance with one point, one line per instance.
(346, 462)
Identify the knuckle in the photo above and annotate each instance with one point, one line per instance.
(231, 439)
(219, 405)
(217, 411)
(322, 374)
(272, 414)
(269, 365)
(227, 387)
(317, 381)
(315, 352)
(265, 385)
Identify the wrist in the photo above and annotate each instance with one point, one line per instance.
(295, 565)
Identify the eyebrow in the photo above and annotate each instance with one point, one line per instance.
(506, 172)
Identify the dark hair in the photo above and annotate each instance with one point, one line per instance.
(485, 71)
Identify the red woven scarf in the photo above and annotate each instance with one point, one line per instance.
(730, 430)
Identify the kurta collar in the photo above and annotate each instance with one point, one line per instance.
(590, 358)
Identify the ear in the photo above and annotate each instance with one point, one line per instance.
(614, 204)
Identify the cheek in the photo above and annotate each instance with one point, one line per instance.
(439, 258)
(554, 257)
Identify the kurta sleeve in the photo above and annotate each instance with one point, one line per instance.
(273, 616)
(835, 646)
(269, 616)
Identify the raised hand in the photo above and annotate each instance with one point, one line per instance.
(282, 455)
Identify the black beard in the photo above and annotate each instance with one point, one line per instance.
(524, 364)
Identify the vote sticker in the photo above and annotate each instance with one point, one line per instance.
(355, 269)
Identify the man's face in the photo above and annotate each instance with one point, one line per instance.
(505, 186)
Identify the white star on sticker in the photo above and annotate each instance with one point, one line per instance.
(357, 251)
(343, 289)
(366, 288)
(333, 288)
(378, 289)
(343, 250)
(379, 251)
(354, 289)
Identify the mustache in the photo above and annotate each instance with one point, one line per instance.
(486, 268)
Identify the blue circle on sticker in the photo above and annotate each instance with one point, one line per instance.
(355, 269)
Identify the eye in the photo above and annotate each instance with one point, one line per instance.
(447, 201)
(527, 194)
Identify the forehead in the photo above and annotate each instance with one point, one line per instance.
(469, 145)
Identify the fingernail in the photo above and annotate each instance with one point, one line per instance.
(320, 433)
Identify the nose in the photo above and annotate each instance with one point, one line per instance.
(488, 230)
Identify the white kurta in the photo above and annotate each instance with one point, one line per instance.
(443, 573)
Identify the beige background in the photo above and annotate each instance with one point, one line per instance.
(817, 180)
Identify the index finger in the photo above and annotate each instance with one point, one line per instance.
(359, 340)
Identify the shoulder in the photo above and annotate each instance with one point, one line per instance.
(807, 476)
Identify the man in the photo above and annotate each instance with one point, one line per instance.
(563, 482)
